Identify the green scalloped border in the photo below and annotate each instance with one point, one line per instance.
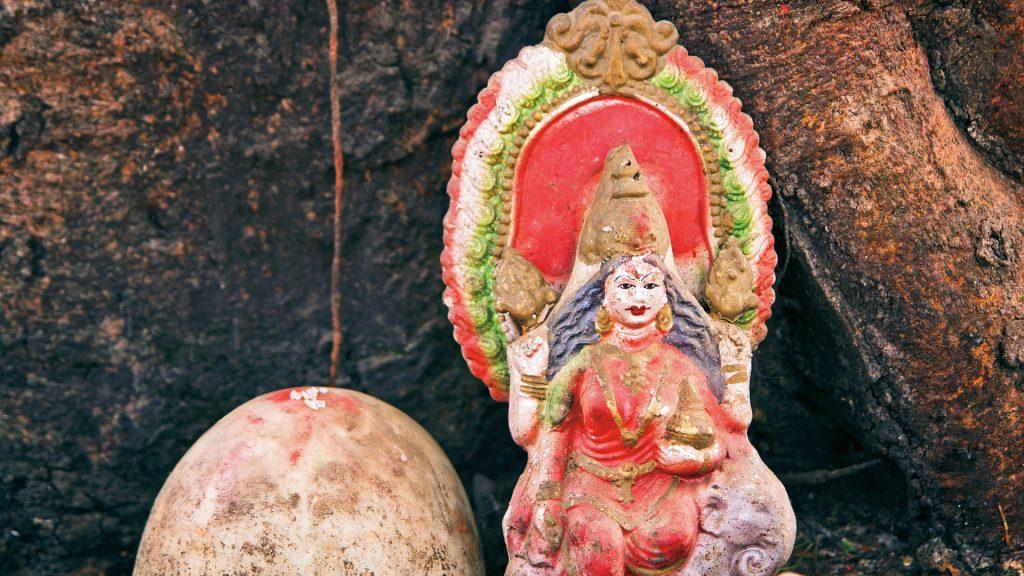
(484, 245)
(734, 195)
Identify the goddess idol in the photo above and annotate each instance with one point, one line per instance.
(609, 266)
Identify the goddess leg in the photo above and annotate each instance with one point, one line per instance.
(595, 542)
(516, 522)
(665, 539)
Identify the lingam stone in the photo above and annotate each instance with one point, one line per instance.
(312, 482)
(609, 266)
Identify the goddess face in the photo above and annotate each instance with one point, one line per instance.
(634, 293)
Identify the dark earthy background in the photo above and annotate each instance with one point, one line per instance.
(165, 195)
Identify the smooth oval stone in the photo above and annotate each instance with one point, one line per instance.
(312, 482)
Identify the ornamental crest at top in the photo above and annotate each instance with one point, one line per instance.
(613, 42)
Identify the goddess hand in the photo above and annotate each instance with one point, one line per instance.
(530, 353)
(685, 460)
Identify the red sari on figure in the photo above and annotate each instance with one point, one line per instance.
(627, 509)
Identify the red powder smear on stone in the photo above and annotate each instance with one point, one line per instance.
(282, 395)
(461, 523)
(346, 403)
(302, 439)
(235, 452)
(226, 477)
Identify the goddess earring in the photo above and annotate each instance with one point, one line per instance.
(603, 322)
(664, 319)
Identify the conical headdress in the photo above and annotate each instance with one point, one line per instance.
(624, 218)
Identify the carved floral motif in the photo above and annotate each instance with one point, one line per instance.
(613, 41)
(520, 290)
(730, 287)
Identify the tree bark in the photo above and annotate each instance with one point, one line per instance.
(165, 242)
(909, 239)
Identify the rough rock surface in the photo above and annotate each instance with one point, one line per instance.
(165, 189)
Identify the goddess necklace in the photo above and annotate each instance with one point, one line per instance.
(633, 379)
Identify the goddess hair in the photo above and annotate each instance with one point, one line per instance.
(690, 331)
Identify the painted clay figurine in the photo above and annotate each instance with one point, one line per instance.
(609, 268)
